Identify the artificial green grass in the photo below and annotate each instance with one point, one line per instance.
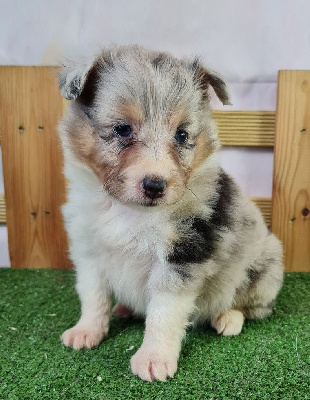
(269, 360)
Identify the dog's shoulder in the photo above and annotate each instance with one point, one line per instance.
(221, 218)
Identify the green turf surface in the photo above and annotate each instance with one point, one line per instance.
(269, 360)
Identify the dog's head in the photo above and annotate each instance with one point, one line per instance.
(141, 121)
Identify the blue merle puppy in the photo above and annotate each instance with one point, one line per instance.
(151, 216)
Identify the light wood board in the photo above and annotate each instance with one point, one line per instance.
(32, 166)
(2, 209)
(291, 183)
(264, 204)
(246, 128)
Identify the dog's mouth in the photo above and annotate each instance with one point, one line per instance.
(149, 192)
(151, 202)
(139, 198)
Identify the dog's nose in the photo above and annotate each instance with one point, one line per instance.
(154, 188)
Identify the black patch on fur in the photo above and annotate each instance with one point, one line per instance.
(199, 237)
(222, 216)
(159, 60)
(182, 271)
(75, 86)
(201, 78)
(258, 269)
(88, 93)
(254, 275)
(197, 244)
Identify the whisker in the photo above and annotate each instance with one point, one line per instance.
(116, 216)
(191, 192)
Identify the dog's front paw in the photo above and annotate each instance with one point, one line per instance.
(150, 365)
(79, 337)
(229, 323)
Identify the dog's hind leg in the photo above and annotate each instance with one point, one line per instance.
(265, 278)
(255, 297)
(228, 323)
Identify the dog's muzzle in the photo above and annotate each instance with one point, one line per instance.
(154, 188)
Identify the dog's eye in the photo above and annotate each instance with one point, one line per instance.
(181, 136)
(123, 130)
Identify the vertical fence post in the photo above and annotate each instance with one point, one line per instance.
(291, 183)
(32, 167)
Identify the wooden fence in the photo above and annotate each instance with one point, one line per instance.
(31, 107)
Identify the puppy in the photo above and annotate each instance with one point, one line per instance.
(151, 216)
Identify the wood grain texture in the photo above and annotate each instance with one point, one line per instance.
(264, 204)
(291, 183)
(2, 209)
(32, 166)
(246, 128)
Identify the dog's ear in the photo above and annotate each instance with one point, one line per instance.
(206, 78)
(72, 79)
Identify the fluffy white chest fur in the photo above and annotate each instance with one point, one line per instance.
(113, 240)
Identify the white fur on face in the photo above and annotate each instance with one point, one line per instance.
(154, 104)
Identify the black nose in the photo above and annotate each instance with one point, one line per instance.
(154, 188)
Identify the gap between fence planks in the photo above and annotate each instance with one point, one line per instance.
(291, 182)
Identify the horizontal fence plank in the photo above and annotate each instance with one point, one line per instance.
(2, 209)
(264, 204)
(246, 128)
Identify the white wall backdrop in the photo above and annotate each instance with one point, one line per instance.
(248, 41)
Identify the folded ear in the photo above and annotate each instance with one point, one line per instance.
(206, 78)
(72, 79)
